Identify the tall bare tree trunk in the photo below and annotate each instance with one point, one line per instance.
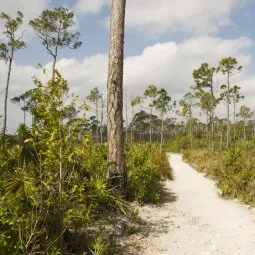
(54, 62)
(212, 130)
(116, 170)
(151, 126)
(190, 132)
(228, 112)
(244, 130)
(6, 97)
(101, 120)
(162, 133)
(132, 125)
(126, 121)
(24, 111)
(207, 130)
(221, 140)
(234, 123)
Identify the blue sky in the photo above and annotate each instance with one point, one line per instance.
(95, 36)
(165, 40)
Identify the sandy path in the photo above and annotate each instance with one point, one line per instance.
(196, 220)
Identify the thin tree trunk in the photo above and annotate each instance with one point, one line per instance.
(116, 170)
(126, 121)
(207, 130)
(6, 97)
(162, 133)
(54, 62)
(234, 123)
(133, 114)
(212, 130)
(97, 119)
(221, 140)
(228, 113)
(101, 121)
(24, 112)
(244, 131)
(24, 117)
(190, 131)
(151, 126)
(212, 114)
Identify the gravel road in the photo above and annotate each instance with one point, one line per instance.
(195, 220)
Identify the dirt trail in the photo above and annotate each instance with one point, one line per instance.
(196, 220)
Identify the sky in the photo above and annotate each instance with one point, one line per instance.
(165, 41)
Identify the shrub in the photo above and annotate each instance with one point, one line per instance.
(233, 169)
(147, 168)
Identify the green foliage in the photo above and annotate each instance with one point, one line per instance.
(178, 143)
(229, 66)
(53, 178)
(147, 168)
(52, 27)
(233, 170)
(151, 92)
(14, 43)
(162, 101)
(136, 101)
(99, 247)
(245, 113)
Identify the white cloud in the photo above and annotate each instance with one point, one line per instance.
(88, 6)
(30, 10)
(197, 16)
(204, 17)
(168, 65)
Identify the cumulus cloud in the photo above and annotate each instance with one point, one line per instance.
(30, 9)
(88, 6)
(168, 65)
(197, 16)
(158, 17)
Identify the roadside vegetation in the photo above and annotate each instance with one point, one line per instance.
(221, 147)
(54, 185)
(73, 172)
(64, 187)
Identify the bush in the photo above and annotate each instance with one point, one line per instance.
(52, 178)
(178, 143)
(147, 168)
(234, 170)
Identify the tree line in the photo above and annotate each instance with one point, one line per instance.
(206, 96)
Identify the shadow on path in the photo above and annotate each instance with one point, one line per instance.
(154, 220)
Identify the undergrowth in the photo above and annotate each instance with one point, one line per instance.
(233, 169)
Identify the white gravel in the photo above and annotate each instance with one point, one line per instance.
(196, 220)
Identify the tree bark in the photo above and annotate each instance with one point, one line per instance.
(116, 169)
(54, 62)
(151, 126)
(212, 130)
(102, 121)
(6, 97)
(244, 131)
(212, 113)
(126, 121)
(228, 112)
(221, 140)
(132, 125)
(162, 133)
(190, 131)
(24, 111)
(234, 123)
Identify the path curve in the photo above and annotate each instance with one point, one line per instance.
(196, 220)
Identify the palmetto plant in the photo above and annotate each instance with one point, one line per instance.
(21, 147)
